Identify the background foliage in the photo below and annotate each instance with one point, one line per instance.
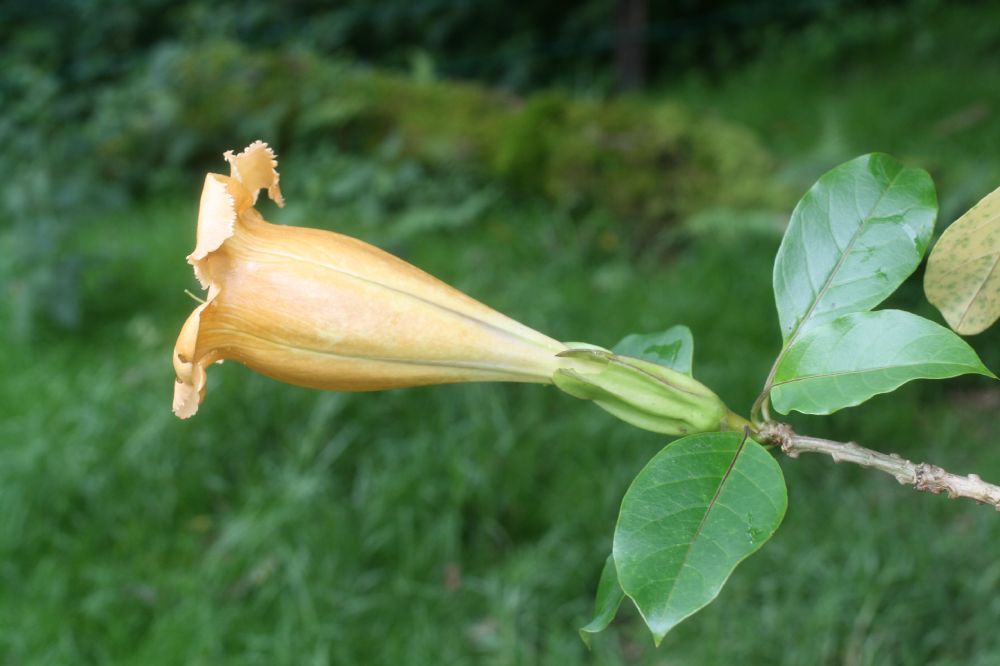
(459, 524)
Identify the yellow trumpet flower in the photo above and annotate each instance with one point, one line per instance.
(319, 309)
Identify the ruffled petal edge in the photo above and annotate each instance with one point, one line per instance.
(223, 199)
(216, 219)
(257, 168)
(189, 370)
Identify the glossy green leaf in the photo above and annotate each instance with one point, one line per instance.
(849, 360)
(609, 598)
(963, 271)
(852, 240)
(701, 505)
(673, 348)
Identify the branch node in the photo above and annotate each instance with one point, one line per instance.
(780, 434)
(930, 478)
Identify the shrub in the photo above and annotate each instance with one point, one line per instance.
(646, 163)
(640, 164)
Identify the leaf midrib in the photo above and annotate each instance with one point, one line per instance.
(704, 519)
(979, 290)
(881, 368)
(840, 262)
(769, 383)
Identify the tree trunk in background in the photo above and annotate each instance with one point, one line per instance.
(630, 44)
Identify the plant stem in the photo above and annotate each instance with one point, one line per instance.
(922, 476)
(735, 422)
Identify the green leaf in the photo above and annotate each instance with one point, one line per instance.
(849, 360)
(852, 240)
(672, 348)
(609, 598)
(963, 271)
(701, 505)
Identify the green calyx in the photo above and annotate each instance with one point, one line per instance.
(647, 395)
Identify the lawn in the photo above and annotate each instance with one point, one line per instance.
(462, 524)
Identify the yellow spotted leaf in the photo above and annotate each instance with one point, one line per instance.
(963, 271)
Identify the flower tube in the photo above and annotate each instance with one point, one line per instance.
(323, 310)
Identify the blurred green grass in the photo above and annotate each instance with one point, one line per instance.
(468, 524)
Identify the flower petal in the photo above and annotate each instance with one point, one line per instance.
(257, 168)
(216, 216)
(189, 387)
(222, 199)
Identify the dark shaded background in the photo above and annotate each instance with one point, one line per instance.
(588, 185)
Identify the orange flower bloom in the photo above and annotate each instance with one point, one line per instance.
(323, 310)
